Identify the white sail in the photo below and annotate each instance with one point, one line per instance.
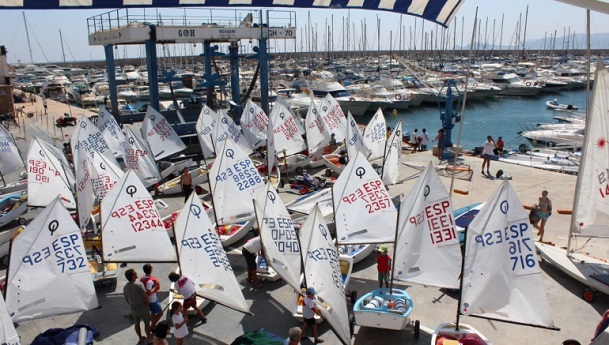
(10, 159)
(225, 128)
(288, 137)
(317, 133)
(160, 136)
(139, 159)
(271, 153)
(278, 236)
(281, 101)
(205, 128)
(88, 138)
(234, 181)
(132, 230)
(354, 140)
(305, 204)
(591, 213)
(254, 123)
(8, 333)
(334, 118)
(203, 259)
(104, 175)
(322, 272)
(501, 276)
(375, 135)
(364, 212)
(47, 176)
(427, 247)
(393, 153)
(49, 273)
(111, 131)
(84, 187)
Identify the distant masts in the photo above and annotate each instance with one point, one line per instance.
(27, 34)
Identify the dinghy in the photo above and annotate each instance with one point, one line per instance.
(554, 105)
(199, 176)
(14, 187)
(12, 208)
(102, 273)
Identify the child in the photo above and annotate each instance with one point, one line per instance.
(308, 314)
(161, 333)
(383, 266)
(178, 322)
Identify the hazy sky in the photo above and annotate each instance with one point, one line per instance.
(545, 16)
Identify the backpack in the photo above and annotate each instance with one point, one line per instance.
(533, 216)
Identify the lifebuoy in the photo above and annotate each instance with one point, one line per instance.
(528, 83)
(352, 99)
(398, 97)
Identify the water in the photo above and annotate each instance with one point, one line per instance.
(501, 116)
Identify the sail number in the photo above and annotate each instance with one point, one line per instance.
(210, 245)
(517, 241)
(283, 234)
(66, 250)
(39, 170)
(373, 194)
(329, 255)
(163, 129)
(439, 222)
(243, 174)
(142, 214)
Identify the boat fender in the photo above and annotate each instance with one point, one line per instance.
(528, 83)
(461, 191)
(565, 211)
(352, 99)
(398, 97)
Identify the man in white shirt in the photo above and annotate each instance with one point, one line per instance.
(249, 251)
(424, 140)
(187, 288)
(293, 337)
(308, 313)
(487, 154)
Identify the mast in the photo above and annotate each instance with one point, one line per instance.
(524, 38)
(27, 34)
(63, 53)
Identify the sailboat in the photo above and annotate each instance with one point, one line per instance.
(48, 273)
(8, 333)
(375, 135)
(87, 137)
(84, 186)
(501, 276)
(590, 217)
(160, 136)
(138, 158)
(205, 128)
(287, 134)
(254, 123)
(393, 152)
(10, 158)
(111, 132)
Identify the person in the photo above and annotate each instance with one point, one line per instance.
(44, 104)
(487, 154)
(415, 140)
(500, 175)
(136, 298)
(160, 335)
(424, 140)
(249, 251)
(186, 182)
(383, 266)
(555, 101)
(308, 313)
(179, 319)
(388, 132)
(602, 325)
(293, 337)
(19, 111)
(332, 139)
(343, 159)
(152, 285)
(441, 143)
(544, 211)
(499, 149)
(32, 98)
(186, 287)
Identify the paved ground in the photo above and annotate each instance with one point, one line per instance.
(272, 304)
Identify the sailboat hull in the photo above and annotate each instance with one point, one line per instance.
(447, 331)
(369, 315)
(589, 271)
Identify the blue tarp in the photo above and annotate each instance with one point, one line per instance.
(68, 336)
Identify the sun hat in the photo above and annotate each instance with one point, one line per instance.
(383, 249)
(311, 291)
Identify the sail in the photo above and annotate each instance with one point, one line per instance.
(49, 273)
(47, 176)
(84, 186)
(591, 211)
(322, 272)
(10, 159)
(253, 123)
(111, 131)
(205, 128)
(317, 134)
(393, 153)
(234, 181)
(203, 259)
(160, 136)
(354, 140)
(271, 153)
(305, 204)
(375, 135)
(427, 247)
(132, 230)
(88, 138)
(278, 236)
(8, 333)
(364, 212)
(225, 128)
(334, 118)
(288, 137)
(501, 276)
(281, 101)
(104, 175)
(139, 159)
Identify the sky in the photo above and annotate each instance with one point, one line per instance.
(544, 18)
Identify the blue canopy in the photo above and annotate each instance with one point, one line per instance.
(437, 11)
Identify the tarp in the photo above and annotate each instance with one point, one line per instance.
(438, 11)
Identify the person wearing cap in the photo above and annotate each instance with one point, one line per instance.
(499, 147)
(544, 211)
(383, 265)
(308, 313)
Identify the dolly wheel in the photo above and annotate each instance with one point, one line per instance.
(352, 324)
(417, 329)
(588, 295)
(299, 171)
(328, 172)
(21, 221)
(353, 297)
